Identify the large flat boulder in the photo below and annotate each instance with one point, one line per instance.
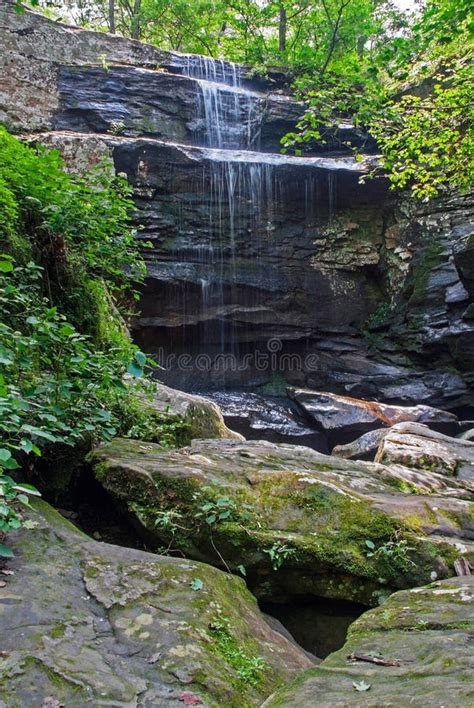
(344, 418)
(299, 522)
(85, 623)
(422, 639)
(416, 446)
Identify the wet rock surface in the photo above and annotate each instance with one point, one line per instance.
(425, 633)
(346, 369)
(86, 623)
(259, 417)
(151, 102)
(343, 418)
(296, 519)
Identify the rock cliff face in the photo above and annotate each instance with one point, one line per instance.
(340, 286)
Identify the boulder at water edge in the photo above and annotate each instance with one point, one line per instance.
(343, 418)
(419, 447)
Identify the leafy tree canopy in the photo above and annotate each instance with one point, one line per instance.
(406, 76)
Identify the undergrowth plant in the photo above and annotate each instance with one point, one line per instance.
(69, 265)
(250, 670)
(279, 553)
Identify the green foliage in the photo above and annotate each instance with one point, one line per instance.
(428, 142)
(249, 669)
(54, 386)
(82, 223)
(12, 497)
(304, 35)
(279, 553)
(379, 317)
(413, 91)
(167, 520)
(395, 552)
(222, 508)
(141, 422)
(66, 241)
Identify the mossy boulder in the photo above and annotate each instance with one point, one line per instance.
(201, 417)
(417, 446)
(425, 633)
(296, 521)
(88, 623)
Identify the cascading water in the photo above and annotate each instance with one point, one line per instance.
(228, 112)
(240, 194)
(246, 197)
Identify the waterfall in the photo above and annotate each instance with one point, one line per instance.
(245, 195)
(228, 114)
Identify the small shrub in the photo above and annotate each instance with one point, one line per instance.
(279, 553)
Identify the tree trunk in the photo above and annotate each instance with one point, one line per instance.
(282, 30)
(112, 16)
(135, 28)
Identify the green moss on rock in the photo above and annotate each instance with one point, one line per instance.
(294, 519)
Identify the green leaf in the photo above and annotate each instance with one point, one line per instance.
(26, 445)
(4, 454)
(38, 432)
(6, 552)
(6, 267)
(28, 488)
(197, 584)
(141, 358)
(134, 370)
(66, 330)
(10, 464)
